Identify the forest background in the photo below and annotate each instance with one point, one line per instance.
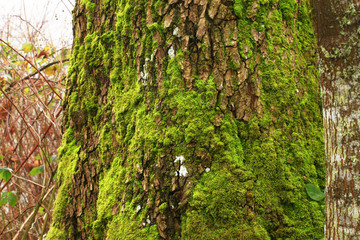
(35, 35)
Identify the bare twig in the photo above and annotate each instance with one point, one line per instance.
(34, 73)
(17, 52)
(43, 195)
(32, 151)
(28, 180)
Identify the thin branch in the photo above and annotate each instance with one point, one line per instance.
(47, 81)
(28, 180)
(14, 219)
(47, 214)
(21, 115)
(43, 196)
(34, 73)
(28, 156)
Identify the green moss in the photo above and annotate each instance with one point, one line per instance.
(155, 27)
(123, 228)
(68, 154)
(288, 8)
(90, 9)
(124, 217)
(108, 37)
(221, 209)
(277, 145)
(163, 207)
(239, 8)
(90, 6)
(56, 234)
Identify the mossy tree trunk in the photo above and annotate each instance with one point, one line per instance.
(338, 29)
(194, 119)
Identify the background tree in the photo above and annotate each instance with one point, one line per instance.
(338, 29)
(197, 119)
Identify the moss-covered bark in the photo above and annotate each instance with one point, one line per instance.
(195, 119)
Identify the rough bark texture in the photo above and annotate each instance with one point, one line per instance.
(338, 28)
(194, 119)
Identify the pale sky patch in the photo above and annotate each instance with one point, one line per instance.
(49, 20)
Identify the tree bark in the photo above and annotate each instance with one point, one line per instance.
(194, 119)
(337, 25)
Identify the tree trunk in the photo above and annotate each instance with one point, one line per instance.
(194, 119)
(337, 24)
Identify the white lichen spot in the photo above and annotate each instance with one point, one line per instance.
(138, 208)
(179, 158)
(148, 221)
(207, 169)
(144, 74)
(171, 52)
(175, 32)
(182, 172)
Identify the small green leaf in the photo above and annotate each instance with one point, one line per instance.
(41, 210)
(36, 170)
(314, 192)
(12, 199)
(3, 200)
(27, 47)
(5, 173)
(8, 197)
